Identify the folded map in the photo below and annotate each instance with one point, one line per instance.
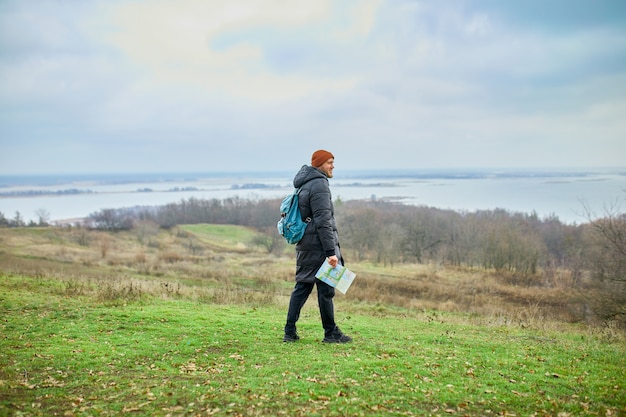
(339, 277)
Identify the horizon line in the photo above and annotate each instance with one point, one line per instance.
(577, 169)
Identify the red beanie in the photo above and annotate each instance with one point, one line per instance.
(319, 157)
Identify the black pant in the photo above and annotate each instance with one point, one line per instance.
(300, 294)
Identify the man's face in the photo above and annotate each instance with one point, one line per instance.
(327, 167)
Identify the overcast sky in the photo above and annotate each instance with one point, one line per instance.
(258, 85)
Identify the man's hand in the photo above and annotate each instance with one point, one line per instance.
(333, 261)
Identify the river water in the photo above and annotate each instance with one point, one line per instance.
(547, 193)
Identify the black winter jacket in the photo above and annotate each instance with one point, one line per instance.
(320, 239)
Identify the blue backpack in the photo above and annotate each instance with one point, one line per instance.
(291, 226)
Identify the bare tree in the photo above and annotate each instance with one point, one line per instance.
(360, 227)
(4, 222)
(423, 232)
(18, 220)
(104, 244)
(389, 243)
(112, 219)
(145, 229)
(43, 217)
(607, 295)
(270, 240)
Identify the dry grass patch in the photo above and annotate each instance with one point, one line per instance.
(455, 290)
(223, 272)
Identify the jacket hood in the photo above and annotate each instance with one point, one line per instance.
(306, 174)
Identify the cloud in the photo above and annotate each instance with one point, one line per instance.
(187, 44)
(388, 84)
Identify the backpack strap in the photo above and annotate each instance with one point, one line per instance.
(308, 219)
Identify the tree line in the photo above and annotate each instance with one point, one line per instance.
(391, 233)
(43, 219)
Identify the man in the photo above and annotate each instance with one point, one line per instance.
(320, 242)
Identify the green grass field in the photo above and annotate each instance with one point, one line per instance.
(223, 236)
(97, 324)
(75, 356)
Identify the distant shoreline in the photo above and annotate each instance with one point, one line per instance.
(86, 180)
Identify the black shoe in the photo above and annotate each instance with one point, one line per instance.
(290, 338)
(338, 338)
